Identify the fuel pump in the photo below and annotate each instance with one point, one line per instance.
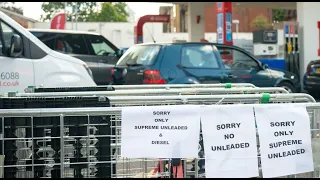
(278, 48)
(266, 48)
(291, 47)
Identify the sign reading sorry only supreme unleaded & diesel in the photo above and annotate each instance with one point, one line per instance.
(160, 131)
(285, 140)
(229, 138)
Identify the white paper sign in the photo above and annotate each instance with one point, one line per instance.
(285, 140)
(160, 131)
(230, 144)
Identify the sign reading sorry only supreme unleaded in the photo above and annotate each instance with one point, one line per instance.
(285, 140)
(160, 131)
(229, 138)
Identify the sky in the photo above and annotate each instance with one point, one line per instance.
(33, 9)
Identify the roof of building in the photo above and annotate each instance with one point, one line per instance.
(17, 14)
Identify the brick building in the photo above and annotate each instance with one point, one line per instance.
(245, 16)
(22, 20)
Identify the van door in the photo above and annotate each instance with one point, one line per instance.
(105, 54)
(15, 73)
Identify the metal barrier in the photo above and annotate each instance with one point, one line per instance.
(121, 101)
(31, 89)
(28, 163)
(159, 92)
(124, 167)
(172, 86)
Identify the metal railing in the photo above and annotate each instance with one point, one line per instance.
(160, 92)
(32, 89)
(172, 86)
(121, 101)
(64, 163)
(40, 137)
(77, 133)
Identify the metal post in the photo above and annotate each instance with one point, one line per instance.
(66, 12)
(71, 16)
(76, 16)
(237, 26)
(62, 146)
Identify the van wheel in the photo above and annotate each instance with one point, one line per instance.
(287, 86)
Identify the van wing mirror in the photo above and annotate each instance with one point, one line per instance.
(16, 46)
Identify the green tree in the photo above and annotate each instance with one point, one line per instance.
(85, 10)
(278, 15)
(111, 12)
(261, 22)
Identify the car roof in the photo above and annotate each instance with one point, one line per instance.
(63, 31)
(169, 43)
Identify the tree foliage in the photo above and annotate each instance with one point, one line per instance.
(260, 22)
(85, 9)
(278, 15)
(11, 7)
(110, 12)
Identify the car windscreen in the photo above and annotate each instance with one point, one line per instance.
(100, 45)
(140, 55)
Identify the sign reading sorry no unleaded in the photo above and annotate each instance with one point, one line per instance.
(160, 131)
(285, 140)
(229, 138)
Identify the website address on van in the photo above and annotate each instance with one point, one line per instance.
(9, 83)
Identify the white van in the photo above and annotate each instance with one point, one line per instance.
(27, 61)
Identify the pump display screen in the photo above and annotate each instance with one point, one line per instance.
(270, 36)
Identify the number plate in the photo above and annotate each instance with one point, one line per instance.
(318, 71)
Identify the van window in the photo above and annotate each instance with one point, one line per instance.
(99, 45)
(140, 55)
(71, 44)
(7, 33)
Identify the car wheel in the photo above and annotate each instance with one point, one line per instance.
(287, 86)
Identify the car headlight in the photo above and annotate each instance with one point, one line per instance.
(88, 70)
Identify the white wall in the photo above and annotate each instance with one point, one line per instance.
(132, 15)
(121, 34)
(308, 17)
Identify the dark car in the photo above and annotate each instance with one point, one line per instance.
(92, 48)
(205, 63)
(311, 79)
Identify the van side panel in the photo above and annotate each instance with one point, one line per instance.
(15, 74)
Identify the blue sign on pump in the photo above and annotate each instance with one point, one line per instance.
(228, 27)
(220, 28)
(286, 29)
(219, 4)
